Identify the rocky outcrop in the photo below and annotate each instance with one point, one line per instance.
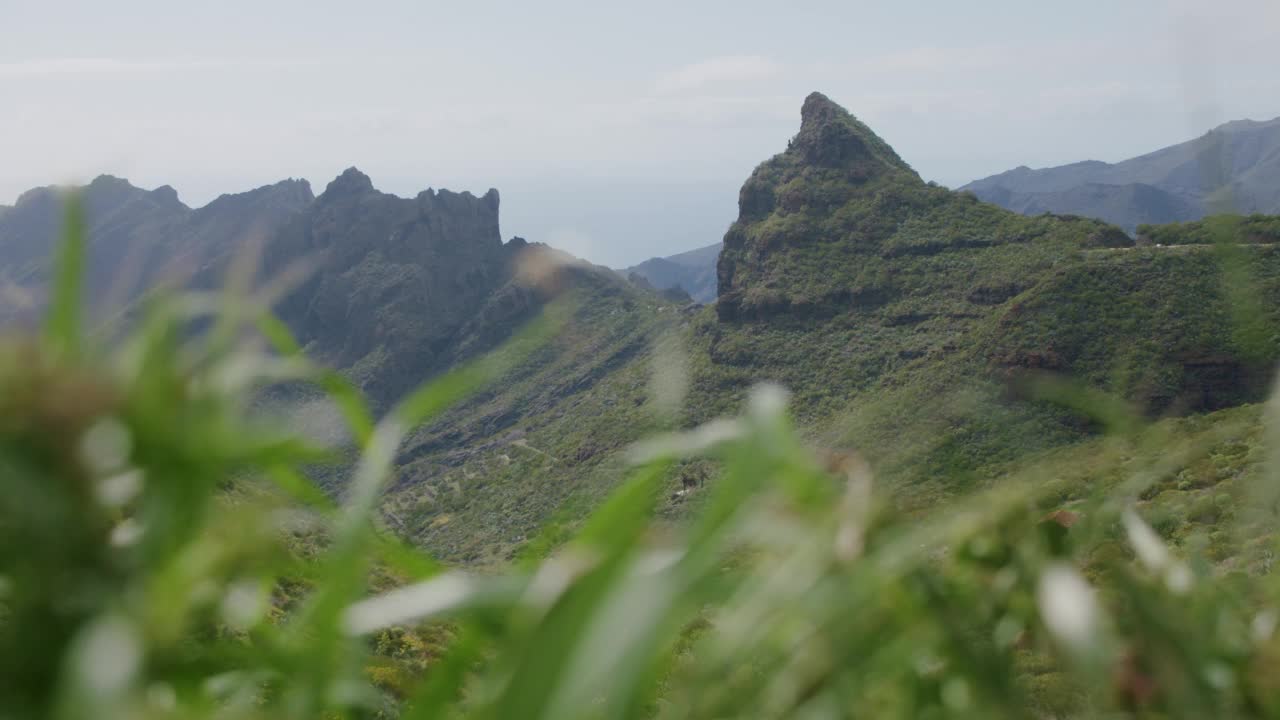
(832, 138)
(834, 162)
(392, 280)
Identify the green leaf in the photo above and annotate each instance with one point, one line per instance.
(63, 330)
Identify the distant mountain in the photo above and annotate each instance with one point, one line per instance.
(137, 238)
(1232, 168)
(404, 289)
(693, 271)
(397, 291)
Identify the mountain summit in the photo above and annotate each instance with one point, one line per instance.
(821, 226)
(831, 137)
(350, 182)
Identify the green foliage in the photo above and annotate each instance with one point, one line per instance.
(154, 555)
(1260, 229)
(161, 558)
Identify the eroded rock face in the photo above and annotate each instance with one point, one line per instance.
(393, 279)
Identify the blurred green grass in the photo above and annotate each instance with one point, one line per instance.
(164, 554)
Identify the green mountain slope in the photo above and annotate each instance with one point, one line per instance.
(910, 322)
(546, 443)
(909, 319)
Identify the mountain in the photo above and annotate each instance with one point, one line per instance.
(395, 291)
(1234, 167)
(912, 322)
(137, 238)
(909, 321)
(1125, 205)
(693, 271)
(392, 280)
(404, 289)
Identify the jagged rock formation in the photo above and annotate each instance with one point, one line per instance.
(1233, 168)
(392, 279)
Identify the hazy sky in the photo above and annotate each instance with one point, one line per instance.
(616, 131)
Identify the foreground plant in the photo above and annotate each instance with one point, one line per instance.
(164, 555)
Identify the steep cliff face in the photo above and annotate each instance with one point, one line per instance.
(393, 281)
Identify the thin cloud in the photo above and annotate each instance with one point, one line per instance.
(118, 66)
(937, 59)
(718, 71)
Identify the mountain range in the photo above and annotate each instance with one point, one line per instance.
(693, 272)
(907, 320)
(140, 238)
(1234, 167)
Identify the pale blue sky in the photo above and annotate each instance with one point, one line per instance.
(616, 131)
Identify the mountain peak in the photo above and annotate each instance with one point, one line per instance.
(832, 137)
(350, 182)
(818, 108)
(166, 194)
(111, 181)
